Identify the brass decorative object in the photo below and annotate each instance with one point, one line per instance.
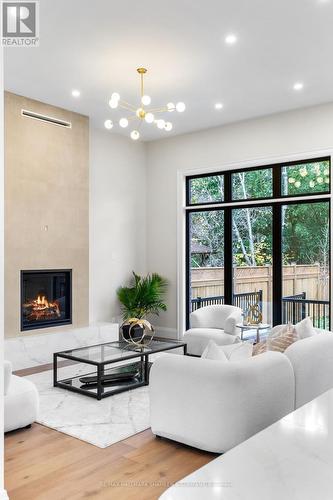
(254, 314)
(147, 328)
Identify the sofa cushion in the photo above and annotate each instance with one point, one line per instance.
(312, 361)
(197, 339)
(234, 352)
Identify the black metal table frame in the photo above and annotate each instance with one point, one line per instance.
(100, 394)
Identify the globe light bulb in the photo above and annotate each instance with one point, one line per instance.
(113, 103)
(326, 171)
(297, 184)
(149, 117)
(108, 124)
(160, 124)
(115, 96)
(303, 172)
(312, 184)
(146, 100)
(171, 107)
(180, 107)
(135, 135)
(320, 180)
(291, 180)
(168, 126)
(327, 180)
(123, 122)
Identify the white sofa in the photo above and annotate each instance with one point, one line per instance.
(216, 322)
(20, 401)
(215, 406)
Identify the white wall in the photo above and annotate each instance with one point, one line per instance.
(3, 494)
(117, 218)
(282, 134)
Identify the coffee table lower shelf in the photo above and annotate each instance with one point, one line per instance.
(102, 390)
(121, 358)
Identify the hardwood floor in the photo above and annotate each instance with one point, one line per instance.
(43, 464)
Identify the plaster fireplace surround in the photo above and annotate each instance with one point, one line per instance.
(46, 220)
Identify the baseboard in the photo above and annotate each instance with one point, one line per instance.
(3, 495)
(167, 333)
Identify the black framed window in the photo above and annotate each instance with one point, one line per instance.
(306, 178)
(205, 189)
(256, 245)
(252, 184)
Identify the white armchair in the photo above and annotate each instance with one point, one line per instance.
(21, 400)
(216, 322)
(214, 406)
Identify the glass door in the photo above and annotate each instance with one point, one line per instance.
(252, 259)
(206, 258)
(306, 262)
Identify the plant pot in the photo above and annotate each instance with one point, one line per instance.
(136, 332)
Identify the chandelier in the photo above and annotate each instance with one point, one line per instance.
(137, 115)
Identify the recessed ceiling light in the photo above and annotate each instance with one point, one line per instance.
(218, 105)
(298, 86)
(231, 39)
(76, 93)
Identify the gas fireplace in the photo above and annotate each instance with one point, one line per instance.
(46, 298)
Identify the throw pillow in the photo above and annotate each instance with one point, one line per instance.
(280, 343)
(213, 352)
(238, 351)
(305, 328)
(259, 348)
(233, 352)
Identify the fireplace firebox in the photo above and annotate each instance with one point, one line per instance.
(46, 298)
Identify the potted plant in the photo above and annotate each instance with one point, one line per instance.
(145, 296)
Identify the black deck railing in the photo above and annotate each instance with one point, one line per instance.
(294, 307)
(242, 300)
(297, 307)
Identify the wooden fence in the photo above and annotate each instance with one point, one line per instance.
(297, 279)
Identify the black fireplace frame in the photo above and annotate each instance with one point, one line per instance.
(46, 324)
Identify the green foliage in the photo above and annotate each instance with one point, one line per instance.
(305, 178)
(305, 227)
(144, 296)
(252, 184)
(206, 189)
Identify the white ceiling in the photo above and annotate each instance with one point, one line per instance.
(96, 46)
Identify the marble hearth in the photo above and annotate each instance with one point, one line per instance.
(35, 350)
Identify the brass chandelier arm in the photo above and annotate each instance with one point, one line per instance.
(132, 118)
(158, 110)
(127, 105)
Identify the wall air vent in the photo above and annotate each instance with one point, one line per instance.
(47, 119)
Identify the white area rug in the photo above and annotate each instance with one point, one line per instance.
(100, 423)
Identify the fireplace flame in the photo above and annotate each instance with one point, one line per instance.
(40, 309)
(42, 301)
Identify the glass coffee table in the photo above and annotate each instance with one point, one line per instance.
(116, 367)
